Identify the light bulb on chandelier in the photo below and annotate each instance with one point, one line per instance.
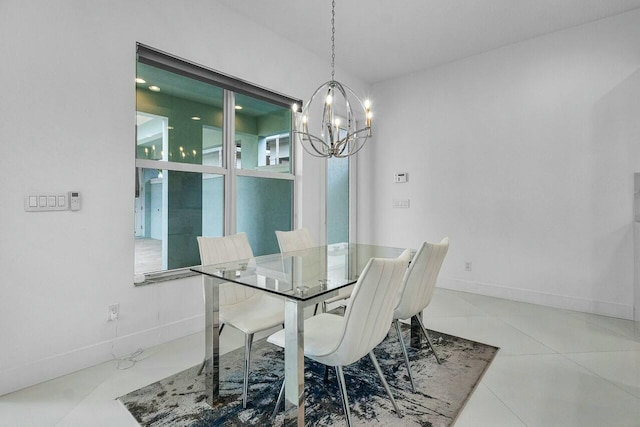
(320, 125)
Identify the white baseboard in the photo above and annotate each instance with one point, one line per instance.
(604, 308)
(62, 364)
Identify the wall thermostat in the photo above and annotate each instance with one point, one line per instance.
(401, 177)
(74, 200)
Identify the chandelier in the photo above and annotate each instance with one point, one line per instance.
(328, 123)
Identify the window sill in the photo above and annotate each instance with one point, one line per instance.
(163, 276)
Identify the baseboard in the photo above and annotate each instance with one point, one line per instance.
(62, 364)
(604, 308)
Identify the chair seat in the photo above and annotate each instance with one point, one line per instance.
(255, 314)
(320, 338)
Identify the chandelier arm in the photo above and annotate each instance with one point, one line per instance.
(344, 145)
(352, 138)
(351, 153)
(316, 152)
(310, 139)
(346, 142)
(356, 135)
(324, 148)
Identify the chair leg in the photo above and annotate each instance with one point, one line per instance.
(404, 352)
(204, 362)
(426, 334)
(324, 307)
(248, 340)
(326, 374)
(384, 383)
(343, 393)
(315, 310)
(280, 396)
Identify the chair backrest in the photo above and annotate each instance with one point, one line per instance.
(420, 279)
(294, 240)
(216, 250)
(370, 309)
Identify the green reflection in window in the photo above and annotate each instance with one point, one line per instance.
(264, 206)
(176, 117)
(263, 133)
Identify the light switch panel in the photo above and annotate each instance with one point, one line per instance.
(45, 202)
(401, 203)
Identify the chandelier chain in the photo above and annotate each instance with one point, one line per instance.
(333, 39)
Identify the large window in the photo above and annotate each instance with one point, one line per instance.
(213, 157)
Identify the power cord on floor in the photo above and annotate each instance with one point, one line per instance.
(129, 360)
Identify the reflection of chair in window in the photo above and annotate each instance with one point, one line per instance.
(339, 341)
(246, 309)
(418, 286)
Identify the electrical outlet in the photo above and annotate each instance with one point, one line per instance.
(114, 312)
(467, 266)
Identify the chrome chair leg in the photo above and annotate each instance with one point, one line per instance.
(384, 383)
(343, 393)
(204, 362)
(280, 396)
(426, 334)
(248, 340)
(326, 374)
(202, 366)
(324, 307)
(404, 352)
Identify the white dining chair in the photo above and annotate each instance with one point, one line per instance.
(299, 239)
(294, 240)
(418, 285)
(241, 307)
(339, 341)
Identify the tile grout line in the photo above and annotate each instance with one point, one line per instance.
(613, 383)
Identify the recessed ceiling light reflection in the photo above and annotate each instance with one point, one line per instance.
(195, 118)
(154, 88)
(139, 80)
(238, 107)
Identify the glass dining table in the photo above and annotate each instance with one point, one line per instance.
(302, 279)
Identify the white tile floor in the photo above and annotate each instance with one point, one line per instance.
(555, 368)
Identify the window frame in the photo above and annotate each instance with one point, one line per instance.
(228, 170)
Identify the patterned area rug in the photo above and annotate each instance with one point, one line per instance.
(442, 390)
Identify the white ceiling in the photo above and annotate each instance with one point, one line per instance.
(377, 40)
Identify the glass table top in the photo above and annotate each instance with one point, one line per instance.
(301, 275)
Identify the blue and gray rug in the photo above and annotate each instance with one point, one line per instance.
(442, 390)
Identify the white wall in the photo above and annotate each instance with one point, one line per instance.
(67, 122)
(524, 156)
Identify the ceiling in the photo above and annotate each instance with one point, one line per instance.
(378, 40)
